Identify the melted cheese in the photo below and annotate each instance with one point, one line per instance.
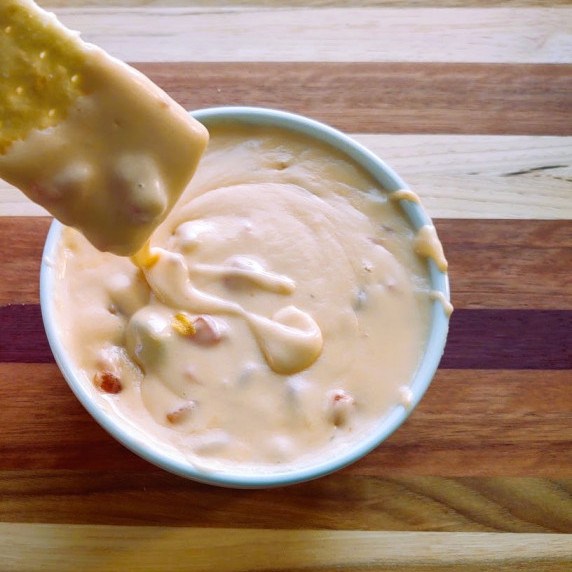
(86, 136)
(277, 314)
(427, 244)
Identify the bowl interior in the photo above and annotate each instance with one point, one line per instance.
(387, 425)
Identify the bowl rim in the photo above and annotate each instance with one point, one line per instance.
(421, 380)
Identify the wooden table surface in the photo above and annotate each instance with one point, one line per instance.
(471, 102)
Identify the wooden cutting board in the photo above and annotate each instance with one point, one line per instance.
(471, 102)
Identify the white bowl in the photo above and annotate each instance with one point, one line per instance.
(387, 425)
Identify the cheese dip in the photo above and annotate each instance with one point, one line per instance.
(277, 314)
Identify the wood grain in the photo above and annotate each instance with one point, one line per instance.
(457, 176)
(495, 264)
(32, 547)
(347, 34)
(339, 502)
(486, 176)
(509, 264)
(520, 425)
(470, 101)
(20, 257)
(379, 97)
(309, 3)
(509, 339)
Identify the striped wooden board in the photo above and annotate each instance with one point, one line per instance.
(471, 102)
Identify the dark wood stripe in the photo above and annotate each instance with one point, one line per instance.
(509, 264)
(478, 339)
(514, 264)
(20, 257)
(23, 337)
(520, 425)
(521, 99)
(509, 339)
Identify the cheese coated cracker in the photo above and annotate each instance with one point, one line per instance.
(85, 135)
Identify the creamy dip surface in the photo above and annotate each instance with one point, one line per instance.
(278, 313)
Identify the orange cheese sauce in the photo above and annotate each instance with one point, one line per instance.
(280, 311)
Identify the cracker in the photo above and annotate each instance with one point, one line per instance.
(85, 135)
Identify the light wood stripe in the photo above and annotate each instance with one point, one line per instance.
(41, 546)
(486, 177)
(201, 34)
(457, 176)
(312, 3)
